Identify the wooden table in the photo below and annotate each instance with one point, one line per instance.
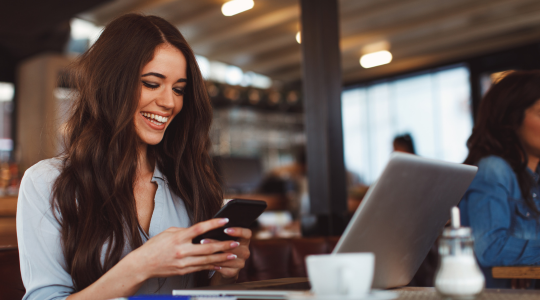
(405, 293)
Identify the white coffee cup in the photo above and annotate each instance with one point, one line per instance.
(346, 274)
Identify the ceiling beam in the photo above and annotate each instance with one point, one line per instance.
(207, 14)
(263, 22)
(104, 14)
(229, 52)
(290, 75)
(450, 55)
(270, 64)
(494, 28)
(438, 40)
(463, 11)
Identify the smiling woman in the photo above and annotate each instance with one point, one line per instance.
(116, 213)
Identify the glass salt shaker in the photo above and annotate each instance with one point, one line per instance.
(458, 275)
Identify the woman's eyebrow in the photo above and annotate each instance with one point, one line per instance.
(154, 74)
(162, 76)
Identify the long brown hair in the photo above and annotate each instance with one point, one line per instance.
(94, 192)
(500, 115)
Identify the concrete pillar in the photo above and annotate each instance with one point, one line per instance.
(37, 108)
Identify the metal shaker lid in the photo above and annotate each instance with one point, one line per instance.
(455, 230)
(461, 232)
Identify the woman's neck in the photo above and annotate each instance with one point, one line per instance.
(533, 162)
(144, 165)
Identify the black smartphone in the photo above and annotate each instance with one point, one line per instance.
(240, 212)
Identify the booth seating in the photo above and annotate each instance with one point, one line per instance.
(11, 286)
(517, 272)
(282, 258)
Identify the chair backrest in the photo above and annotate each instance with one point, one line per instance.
(11, 285)
(282, 258)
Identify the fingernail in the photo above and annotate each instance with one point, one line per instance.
(217, 268)
(205, 241)
(235, 244)
(231, 256)
(224, 221)
(228, 230)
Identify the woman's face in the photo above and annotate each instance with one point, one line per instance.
(162, 93)
(529, 131)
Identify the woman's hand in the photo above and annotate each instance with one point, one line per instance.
(228, 272)
(167, 254)
(172, 252)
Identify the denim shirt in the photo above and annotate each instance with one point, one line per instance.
(505, 230)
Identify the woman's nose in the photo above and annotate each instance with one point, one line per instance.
(166, 99)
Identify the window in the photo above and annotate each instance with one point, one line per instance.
(7, 92)
(433, 107)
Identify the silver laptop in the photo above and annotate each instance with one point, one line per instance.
(403, 213)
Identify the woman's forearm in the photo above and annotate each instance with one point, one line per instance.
(123, 280)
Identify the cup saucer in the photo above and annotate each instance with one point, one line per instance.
(373, 295)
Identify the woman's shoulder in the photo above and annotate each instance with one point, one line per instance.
(36, 190)
(43, 174)
(495, 167)
(494, 162)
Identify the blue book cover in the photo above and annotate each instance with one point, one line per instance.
(159, 297)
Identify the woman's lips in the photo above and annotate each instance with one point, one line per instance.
(152, 125)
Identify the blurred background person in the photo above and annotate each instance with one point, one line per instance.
(404, 143)
(290, 181)
(501, 204)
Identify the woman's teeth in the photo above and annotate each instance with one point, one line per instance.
(156, 119)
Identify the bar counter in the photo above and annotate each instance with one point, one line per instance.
(8, 231)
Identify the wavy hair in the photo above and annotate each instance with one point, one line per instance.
(500, 115)
(93, 194)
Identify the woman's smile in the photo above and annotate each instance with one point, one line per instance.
(154, 120)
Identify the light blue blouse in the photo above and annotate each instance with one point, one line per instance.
(43, 267)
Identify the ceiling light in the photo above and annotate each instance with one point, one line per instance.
(298, 38)
(234, 7)
(375, 59)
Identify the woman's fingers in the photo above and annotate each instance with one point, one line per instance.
(210, 248)
(188, 270)
(205, 249)
(194, 261)
(203, 227)
(240, 232)
(228, 272)
(208, 241)
(236, 263)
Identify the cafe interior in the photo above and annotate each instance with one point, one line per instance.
(310, 99)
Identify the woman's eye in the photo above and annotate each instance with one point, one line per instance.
(178, 91)
(150, 85)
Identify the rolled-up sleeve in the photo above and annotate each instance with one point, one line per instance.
(487, 205)
(43, 267)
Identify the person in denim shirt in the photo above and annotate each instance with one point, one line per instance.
(502, 203)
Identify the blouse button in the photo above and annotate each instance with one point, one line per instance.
(528, 214)
(534, 195)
